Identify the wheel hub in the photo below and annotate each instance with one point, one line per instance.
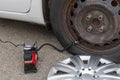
(96, 29)
(96, 22)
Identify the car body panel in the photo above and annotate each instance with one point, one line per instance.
(15, 5)
(34, 15)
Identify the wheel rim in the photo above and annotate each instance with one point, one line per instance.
(84, 68)
(95, 24)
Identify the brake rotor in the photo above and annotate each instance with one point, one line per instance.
(84, 68)
(95, 23)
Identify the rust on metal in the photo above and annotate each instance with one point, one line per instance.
(94, 25)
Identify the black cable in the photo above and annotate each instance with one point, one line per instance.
(59, 50)
(9, 42)
(48, 44)
(45, 44)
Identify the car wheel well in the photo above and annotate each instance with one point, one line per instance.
(46, 12)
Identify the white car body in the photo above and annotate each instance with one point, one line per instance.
(23, 10)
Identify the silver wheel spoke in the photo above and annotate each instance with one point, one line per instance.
(94, 61)
(62, 77)
(109, 77)
(106, 67)
(65, 68)
(77, 62)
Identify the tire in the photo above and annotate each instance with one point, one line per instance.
(60, 13)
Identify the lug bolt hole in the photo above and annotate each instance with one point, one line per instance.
(83, 69)
(88, 17)
(72, 13)
(100, 17)
(89, 29)
(80, 74)
(100, 30)
(76, 5)
(82, 0)
(71, 22)
(114, 40)
(119, 12)
(95, 72)
(95, 76)
(106, 44)
(119, 33)
(114, 3)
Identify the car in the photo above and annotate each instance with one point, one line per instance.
(94, 24)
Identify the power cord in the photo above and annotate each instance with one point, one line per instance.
(59, 50)
(43, 45)
(9, 42)
(31, 53)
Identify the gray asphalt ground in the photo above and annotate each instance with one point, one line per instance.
(11, 58)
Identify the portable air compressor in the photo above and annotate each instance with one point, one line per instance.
(30, 59)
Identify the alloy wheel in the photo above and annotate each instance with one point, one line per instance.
(84, 68)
